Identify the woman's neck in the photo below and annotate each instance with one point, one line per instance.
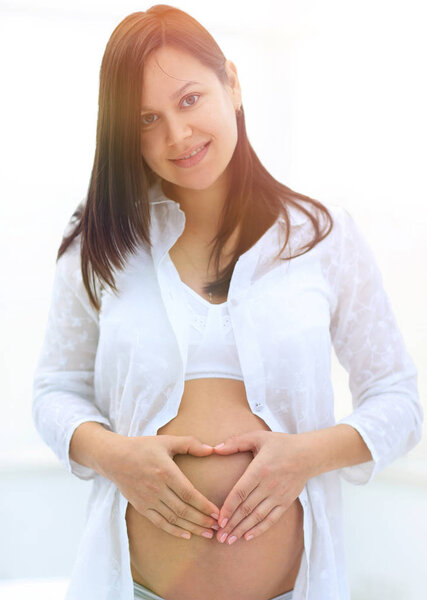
(202, 208)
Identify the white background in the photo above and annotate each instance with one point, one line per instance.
(335, 97)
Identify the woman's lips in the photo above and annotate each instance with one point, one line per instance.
(193, 160)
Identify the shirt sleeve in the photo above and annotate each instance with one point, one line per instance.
(382, 376)
(63, 384)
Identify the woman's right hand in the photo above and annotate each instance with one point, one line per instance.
(144, 471)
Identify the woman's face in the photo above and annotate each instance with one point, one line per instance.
(174, 120)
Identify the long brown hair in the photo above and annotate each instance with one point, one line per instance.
(115, 217)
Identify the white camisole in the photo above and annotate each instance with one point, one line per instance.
(212, 348)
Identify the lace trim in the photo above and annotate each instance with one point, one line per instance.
(199, 322)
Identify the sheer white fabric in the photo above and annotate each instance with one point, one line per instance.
(125, 366)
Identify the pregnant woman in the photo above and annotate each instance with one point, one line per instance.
(186, 363)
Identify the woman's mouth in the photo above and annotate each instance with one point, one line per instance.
(196, 157)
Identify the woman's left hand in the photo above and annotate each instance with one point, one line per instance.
(272, 481)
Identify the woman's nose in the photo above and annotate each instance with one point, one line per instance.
(177, 130)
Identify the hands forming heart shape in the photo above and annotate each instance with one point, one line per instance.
(270, 484)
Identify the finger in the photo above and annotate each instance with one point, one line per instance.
(239, 493)
(255, 502)
(186, 525)
(260, 528)
(187, 513)
(259, 514)
(159, 521)
(239, 443)
(265, 490)
(188, 444)
(185, 490)
(162, 523)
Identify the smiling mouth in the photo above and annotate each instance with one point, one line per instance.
(191, 154)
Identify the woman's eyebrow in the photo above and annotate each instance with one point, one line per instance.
(177, 93)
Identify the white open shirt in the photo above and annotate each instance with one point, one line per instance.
(125, 367)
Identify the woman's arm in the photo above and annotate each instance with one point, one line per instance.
(334, 448)
(63, 384)
(92, 445)
(368, 343)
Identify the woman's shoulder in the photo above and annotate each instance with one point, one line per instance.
(69, 261)
(339, 212)
(346, 229)
(330, 217)
(299, 212)
(69, 264)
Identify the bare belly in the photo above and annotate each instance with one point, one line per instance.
(203, 569)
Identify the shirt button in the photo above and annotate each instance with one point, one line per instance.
(258, 406)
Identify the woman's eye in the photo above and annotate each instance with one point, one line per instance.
(192, 96)
(147, 122)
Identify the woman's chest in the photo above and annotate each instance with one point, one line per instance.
(147, 325)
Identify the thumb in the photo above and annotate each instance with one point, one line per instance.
(238, 443)
(189, 444)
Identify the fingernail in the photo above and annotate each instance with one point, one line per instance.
(215, 527)
(222, 538)
(214, 515)
(207, 534)
(219, 445)
(186, 535)
(249, 537)
(231, 540)
(224, 523)
(207, 446)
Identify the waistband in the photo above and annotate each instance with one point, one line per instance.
(141, 591)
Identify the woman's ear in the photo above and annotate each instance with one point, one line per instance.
(233, 85)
